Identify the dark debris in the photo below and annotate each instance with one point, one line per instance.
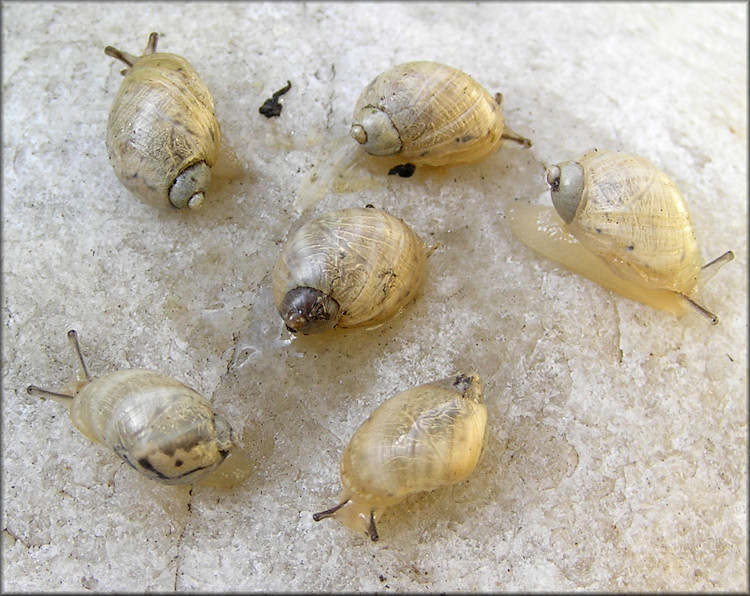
(272, 107)
(404, 170)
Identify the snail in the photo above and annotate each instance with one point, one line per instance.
(162, 134)
(160, 427)
(347, 268)
(418, 440)
(429, 113)
(624, 225)
(418, 113)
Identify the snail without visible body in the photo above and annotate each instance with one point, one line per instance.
(631, 230)
(419, 113)
(418, 440)
(347, 268)
(162, 135)
(156, 424)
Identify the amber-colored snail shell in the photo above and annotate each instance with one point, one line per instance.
(160, 427)
(634, 223)
(347, 268)
(418, 440)
(162, 134)
(428, 113)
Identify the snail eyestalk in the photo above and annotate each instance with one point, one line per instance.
(329, 512)
(357, 514)
(701, 309)
(372, 530)
(515, 137)
(73, 337)
(40, 392)
(151, 45)
(125, 57)
(130, 59)
(82, 378)
(710, 269)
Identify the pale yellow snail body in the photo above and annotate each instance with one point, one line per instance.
(632, 229)
(347, 268)
(162, 134)
(418, 440)
(160, 427)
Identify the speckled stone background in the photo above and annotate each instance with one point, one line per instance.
(617, 450)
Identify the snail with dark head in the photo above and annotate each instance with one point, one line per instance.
(157, 425)
(347, 268)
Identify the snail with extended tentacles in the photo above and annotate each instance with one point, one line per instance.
(419, 113)
(157, 425)
(162, 135)
(626, 226)
(428, 113)
(418, 440)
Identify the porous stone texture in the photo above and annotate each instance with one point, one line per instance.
(616, 455)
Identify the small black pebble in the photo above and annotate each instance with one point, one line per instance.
(404, 170)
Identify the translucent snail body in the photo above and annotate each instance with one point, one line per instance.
(162, 134)
(160, 427)
(632, 229)
(418, 440)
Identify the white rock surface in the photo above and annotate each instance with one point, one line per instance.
(617, 449)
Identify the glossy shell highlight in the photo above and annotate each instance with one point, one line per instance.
(162, 133)
(358, 267)
(624, 225)
(418, 440)
(160, 427)
(427, 113)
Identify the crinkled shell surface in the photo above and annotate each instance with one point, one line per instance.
(162, 121)
(632, 214)
(418, 440)
(370, 262)
(443, 115)
(156, 424)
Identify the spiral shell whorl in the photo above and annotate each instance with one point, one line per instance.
(161, 123)
(368, 262)
(633, 215)
(418, 440)
(441, 115)
(156, 424)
